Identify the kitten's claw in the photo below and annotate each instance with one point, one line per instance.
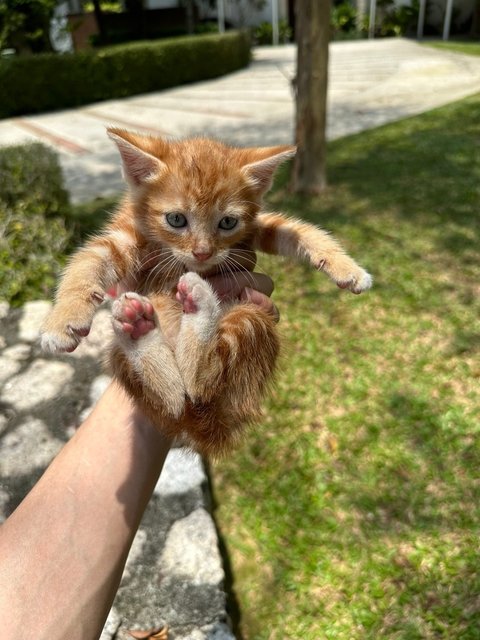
(59, 343)
(132, 315)
(346, 273)
(65, 326)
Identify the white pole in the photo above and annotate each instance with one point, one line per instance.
(371, 21)
(275, 30)
(221, 16)
(421, 19)
(448, 19)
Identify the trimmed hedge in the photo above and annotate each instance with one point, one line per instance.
(34, 234)
(53, 81)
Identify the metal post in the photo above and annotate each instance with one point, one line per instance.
(448, 19)
(371, 20)
(275, 30)
(421, 19)
(221, 16)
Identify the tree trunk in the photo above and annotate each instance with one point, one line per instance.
(102, 34)
(190, 16)
(313, 37)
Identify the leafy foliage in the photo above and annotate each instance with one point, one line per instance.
(391, 19)
(50, 81)
(25, 24)
(344, 17)
(34, 235)
(263, 34)
(397, 20)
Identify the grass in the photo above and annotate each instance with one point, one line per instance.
(353, 511)
(470, 47)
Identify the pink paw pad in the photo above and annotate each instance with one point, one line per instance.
(184, 296)
(135, 316)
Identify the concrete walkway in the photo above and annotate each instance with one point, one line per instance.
(371, 83)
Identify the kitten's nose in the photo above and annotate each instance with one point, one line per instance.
(201, 256)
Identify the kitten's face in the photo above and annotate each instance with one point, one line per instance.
(198, 197)
(201, 210)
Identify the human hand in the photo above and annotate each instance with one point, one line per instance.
(247, 287)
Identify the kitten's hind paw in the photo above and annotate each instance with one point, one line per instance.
(132, 315)
(196, 295)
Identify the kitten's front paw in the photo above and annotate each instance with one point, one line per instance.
(346, 273)
(65, 326)
(132, 315)
(196, 295)
(357, 282)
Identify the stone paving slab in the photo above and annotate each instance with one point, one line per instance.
(372, 82)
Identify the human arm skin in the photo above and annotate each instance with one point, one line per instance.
(62, 552)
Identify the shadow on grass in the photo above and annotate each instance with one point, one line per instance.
(430, 495)
(424, 170)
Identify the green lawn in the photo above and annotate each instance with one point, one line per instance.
(470, 47)
(353, 510)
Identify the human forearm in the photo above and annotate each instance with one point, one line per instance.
(63, 550)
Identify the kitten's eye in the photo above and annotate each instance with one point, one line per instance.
(227, 223)
(176, 220)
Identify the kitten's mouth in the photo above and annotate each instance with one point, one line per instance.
(204, 264)
(200, 265)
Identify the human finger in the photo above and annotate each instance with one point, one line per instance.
(260, 299)
(232, 285)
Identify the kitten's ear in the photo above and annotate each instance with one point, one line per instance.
(260, 171)
(139, 166)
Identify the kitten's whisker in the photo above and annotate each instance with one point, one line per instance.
(155, 253)
(153, 272)
(234, 272)
(227, 273)
(236, 263)
(158, 266)
(174, 270)
(165, 266)
(251, 261)
(170, 268)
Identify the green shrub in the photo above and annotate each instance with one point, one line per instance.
(34, 237)
(398, 20)
(51, 81)
(263, 34)
(344, 18)
(30, 177)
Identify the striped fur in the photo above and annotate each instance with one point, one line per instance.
(197, 366)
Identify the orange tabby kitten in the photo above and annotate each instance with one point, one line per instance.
(195, 365)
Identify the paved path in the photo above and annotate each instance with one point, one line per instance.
(371, 83)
